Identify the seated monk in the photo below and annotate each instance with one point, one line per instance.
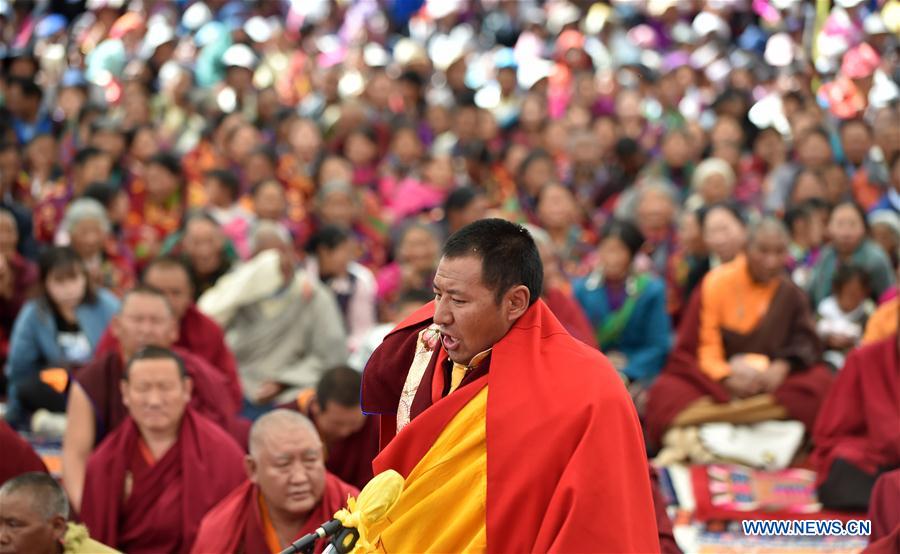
(747, 349)
(95, 406)
(197, 333)
(857, 436)
(288, 492)
(884, 513)
(18, 456)
(152, 480)
(350, 437)
(33, 519)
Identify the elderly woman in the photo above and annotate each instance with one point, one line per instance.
(747, 348)
(713, 181)
(87, 229)
(653, 207)
(626, 308)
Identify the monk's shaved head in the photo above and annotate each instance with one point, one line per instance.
(279, 421)
(47, 497)
(768, 225)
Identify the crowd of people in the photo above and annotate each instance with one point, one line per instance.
(212, 212)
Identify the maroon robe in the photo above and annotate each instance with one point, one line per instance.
(884, 513)
(349, 458)
(235, 524)
(100, 380)
(25, 277)
(202, 337)
(168, 498)
(18, 457)
(786, 331)
(860, 419)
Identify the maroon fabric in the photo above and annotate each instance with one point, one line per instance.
(235, 524)
(18, 457)
(168, 499)
(570, 314)
(100, 380)
(350, 458)
(860, 419)
(884, 513)
(25, 277)
(682, 382)
(202, 337)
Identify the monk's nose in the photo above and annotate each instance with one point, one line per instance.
(442, 313)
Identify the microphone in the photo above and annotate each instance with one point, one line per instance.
(351, 523)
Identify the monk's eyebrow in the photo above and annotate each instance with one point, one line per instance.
(451, 292)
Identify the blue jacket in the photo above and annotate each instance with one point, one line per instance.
(647, 336)
(33, 346)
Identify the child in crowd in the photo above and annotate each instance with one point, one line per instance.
(842, 316)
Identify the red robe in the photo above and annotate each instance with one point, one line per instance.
(553, 402)
(682, 382)
(860, 419)
(100, 381)
(202, 337)
(235, 524)
(884, 513)
(168, 498)
(18, 456)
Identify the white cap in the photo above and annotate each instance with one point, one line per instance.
(196, 16)
(239, 55)
(780, 50)
(706, 23)
(258, 29)
(848, 3)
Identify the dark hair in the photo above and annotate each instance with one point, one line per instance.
(846, 273)
(626, 232)
(341, 385)
(63, 259)
(533, 156)
(86, 154)
(227, 179)
(29, 87)
(803, 210)
(267, 152)
(728, 205)
(155, 353)
(170, 261)
(328, 237)
(857, 208)
(102, 192)
(509, 256)
(167, 161)
(460, 199)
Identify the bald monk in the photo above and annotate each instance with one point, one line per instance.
(95, 406)
(18, 456)
(288, 492)
(153, 479)
(857, 436)
(747, 349)
(33, 519)
(512, 435)
(350, 437)
(197, 333)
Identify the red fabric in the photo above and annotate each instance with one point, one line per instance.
(169, 498)
(860, 419)
(100, 381)
(25, 277)
(201, 336)
(585, 480)
(682, 383)
(235, 524)
(884, 513)
(18, 456)
(570, 314)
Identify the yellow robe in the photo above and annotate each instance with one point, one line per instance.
(452, 475)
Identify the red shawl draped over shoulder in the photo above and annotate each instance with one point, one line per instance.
(566, 469)
(235, 524)
(18, 456)
(682, 382)
(168, 499)
(860, 419)
(202, 337)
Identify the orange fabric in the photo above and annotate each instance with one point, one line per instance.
(269, 533)
(883, 323)
(145, 452)
(732, 301)
(56, 378)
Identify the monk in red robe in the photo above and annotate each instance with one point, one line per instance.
(95, 404)
(747, 349)
(18, 456)
(288, 492)
(350, 437)
(197, 333)
(494, 414)
(884, 513)
(857, 435)
(153, 479)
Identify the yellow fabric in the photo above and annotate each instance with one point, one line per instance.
(883, 322)
(78, 541)
(459, 371)
(730, 299)
(452, 475)
(377, 497)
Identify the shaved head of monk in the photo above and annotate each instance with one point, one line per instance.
(146, 319)
(33, 513)
(287, 463)
(156, 390)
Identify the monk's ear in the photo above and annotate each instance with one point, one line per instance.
(250, 468)
(123, 388)
(58, 526)
(516, 302)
